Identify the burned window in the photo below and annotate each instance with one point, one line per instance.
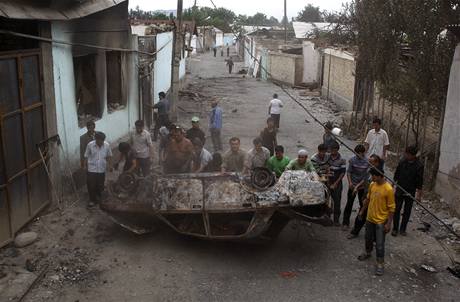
(115, 81)
(86, 92)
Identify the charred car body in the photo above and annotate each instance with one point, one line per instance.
(218, 206)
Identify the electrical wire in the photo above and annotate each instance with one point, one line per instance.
(338, 139)
(42, 39)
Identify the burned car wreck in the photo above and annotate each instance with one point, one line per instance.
(218, 206)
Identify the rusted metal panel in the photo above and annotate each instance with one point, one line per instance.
(57, 10)
(23, 184)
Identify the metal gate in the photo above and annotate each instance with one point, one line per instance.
(24, 186)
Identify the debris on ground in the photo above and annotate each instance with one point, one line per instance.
(428, 268)
(288, 275)
(455, 270)
(425, 228)
(24, 239)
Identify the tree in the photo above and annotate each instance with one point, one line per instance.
(221, 18)
(401, 50)
(258, 19)
(310, 13)
(273, 21)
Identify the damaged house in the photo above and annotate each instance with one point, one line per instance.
(62, 63)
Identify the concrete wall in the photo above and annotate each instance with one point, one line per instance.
(163, 64)
(339, 84)
(247, 56)
(286, 68)
(219, 39)
(64, 89)
(311, 63)
(448, 178)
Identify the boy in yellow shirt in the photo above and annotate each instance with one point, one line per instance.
(380, 205)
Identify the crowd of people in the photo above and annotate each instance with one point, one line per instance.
(183, 151)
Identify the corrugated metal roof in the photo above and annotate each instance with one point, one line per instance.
(248, 29)
(57, 10)
(304, 29)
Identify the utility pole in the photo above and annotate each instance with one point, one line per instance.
(178, 47)
(285, 22)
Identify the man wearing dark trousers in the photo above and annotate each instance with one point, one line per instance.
(97, 161)
(162, 114)
(337, 168)
(360, 221)
(409, 175)
(357, 177)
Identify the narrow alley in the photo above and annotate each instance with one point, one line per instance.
(87, 257)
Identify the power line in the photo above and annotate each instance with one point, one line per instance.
(12, 33)
(339, 140)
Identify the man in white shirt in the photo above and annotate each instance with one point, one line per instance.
(141, 143)
(201, 158)
(377, 141)
(97, 161)
(275, 110)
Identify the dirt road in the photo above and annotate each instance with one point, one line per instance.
(306, 263)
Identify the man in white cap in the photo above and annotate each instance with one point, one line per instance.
(301, 162)
(195, 131)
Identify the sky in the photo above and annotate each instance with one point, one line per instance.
(246, 7)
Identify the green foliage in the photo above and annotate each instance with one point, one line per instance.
(401, 48)
(310, 13)
(221, 18)
(137, 13)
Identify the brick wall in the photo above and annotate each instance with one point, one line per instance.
(286, 68)
(340, 82)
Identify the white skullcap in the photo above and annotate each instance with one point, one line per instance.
(302, 152)
(164, 131)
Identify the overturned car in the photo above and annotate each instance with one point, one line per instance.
(218, 206)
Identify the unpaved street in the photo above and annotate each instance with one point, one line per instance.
(306, 263)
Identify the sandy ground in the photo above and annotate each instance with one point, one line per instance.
(86, 257)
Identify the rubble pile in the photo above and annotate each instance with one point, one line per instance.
(72, 267)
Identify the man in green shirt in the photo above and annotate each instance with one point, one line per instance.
(278, 162)
(301, 163)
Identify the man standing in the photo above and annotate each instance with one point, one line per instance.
(230, 65)
(278, 163)
(301, 163)
(357, 178)
(201, 158)
(257, 156)
(360, 220)
(179, 153)
(380, 205)
(337, 167)
(214, 49)
(320, 160)
(274, 109)
(97, 161)
(268, 136)
(235, 158)
(141, 143)
(85, 139)
(195, 131)
(409, 175)
(215, 125)
(162, 118)
(377, 141)
(328, 138)
(228, 50)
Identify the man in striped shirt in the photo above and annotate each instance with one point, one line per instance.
(337, 168)
(357, 176)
